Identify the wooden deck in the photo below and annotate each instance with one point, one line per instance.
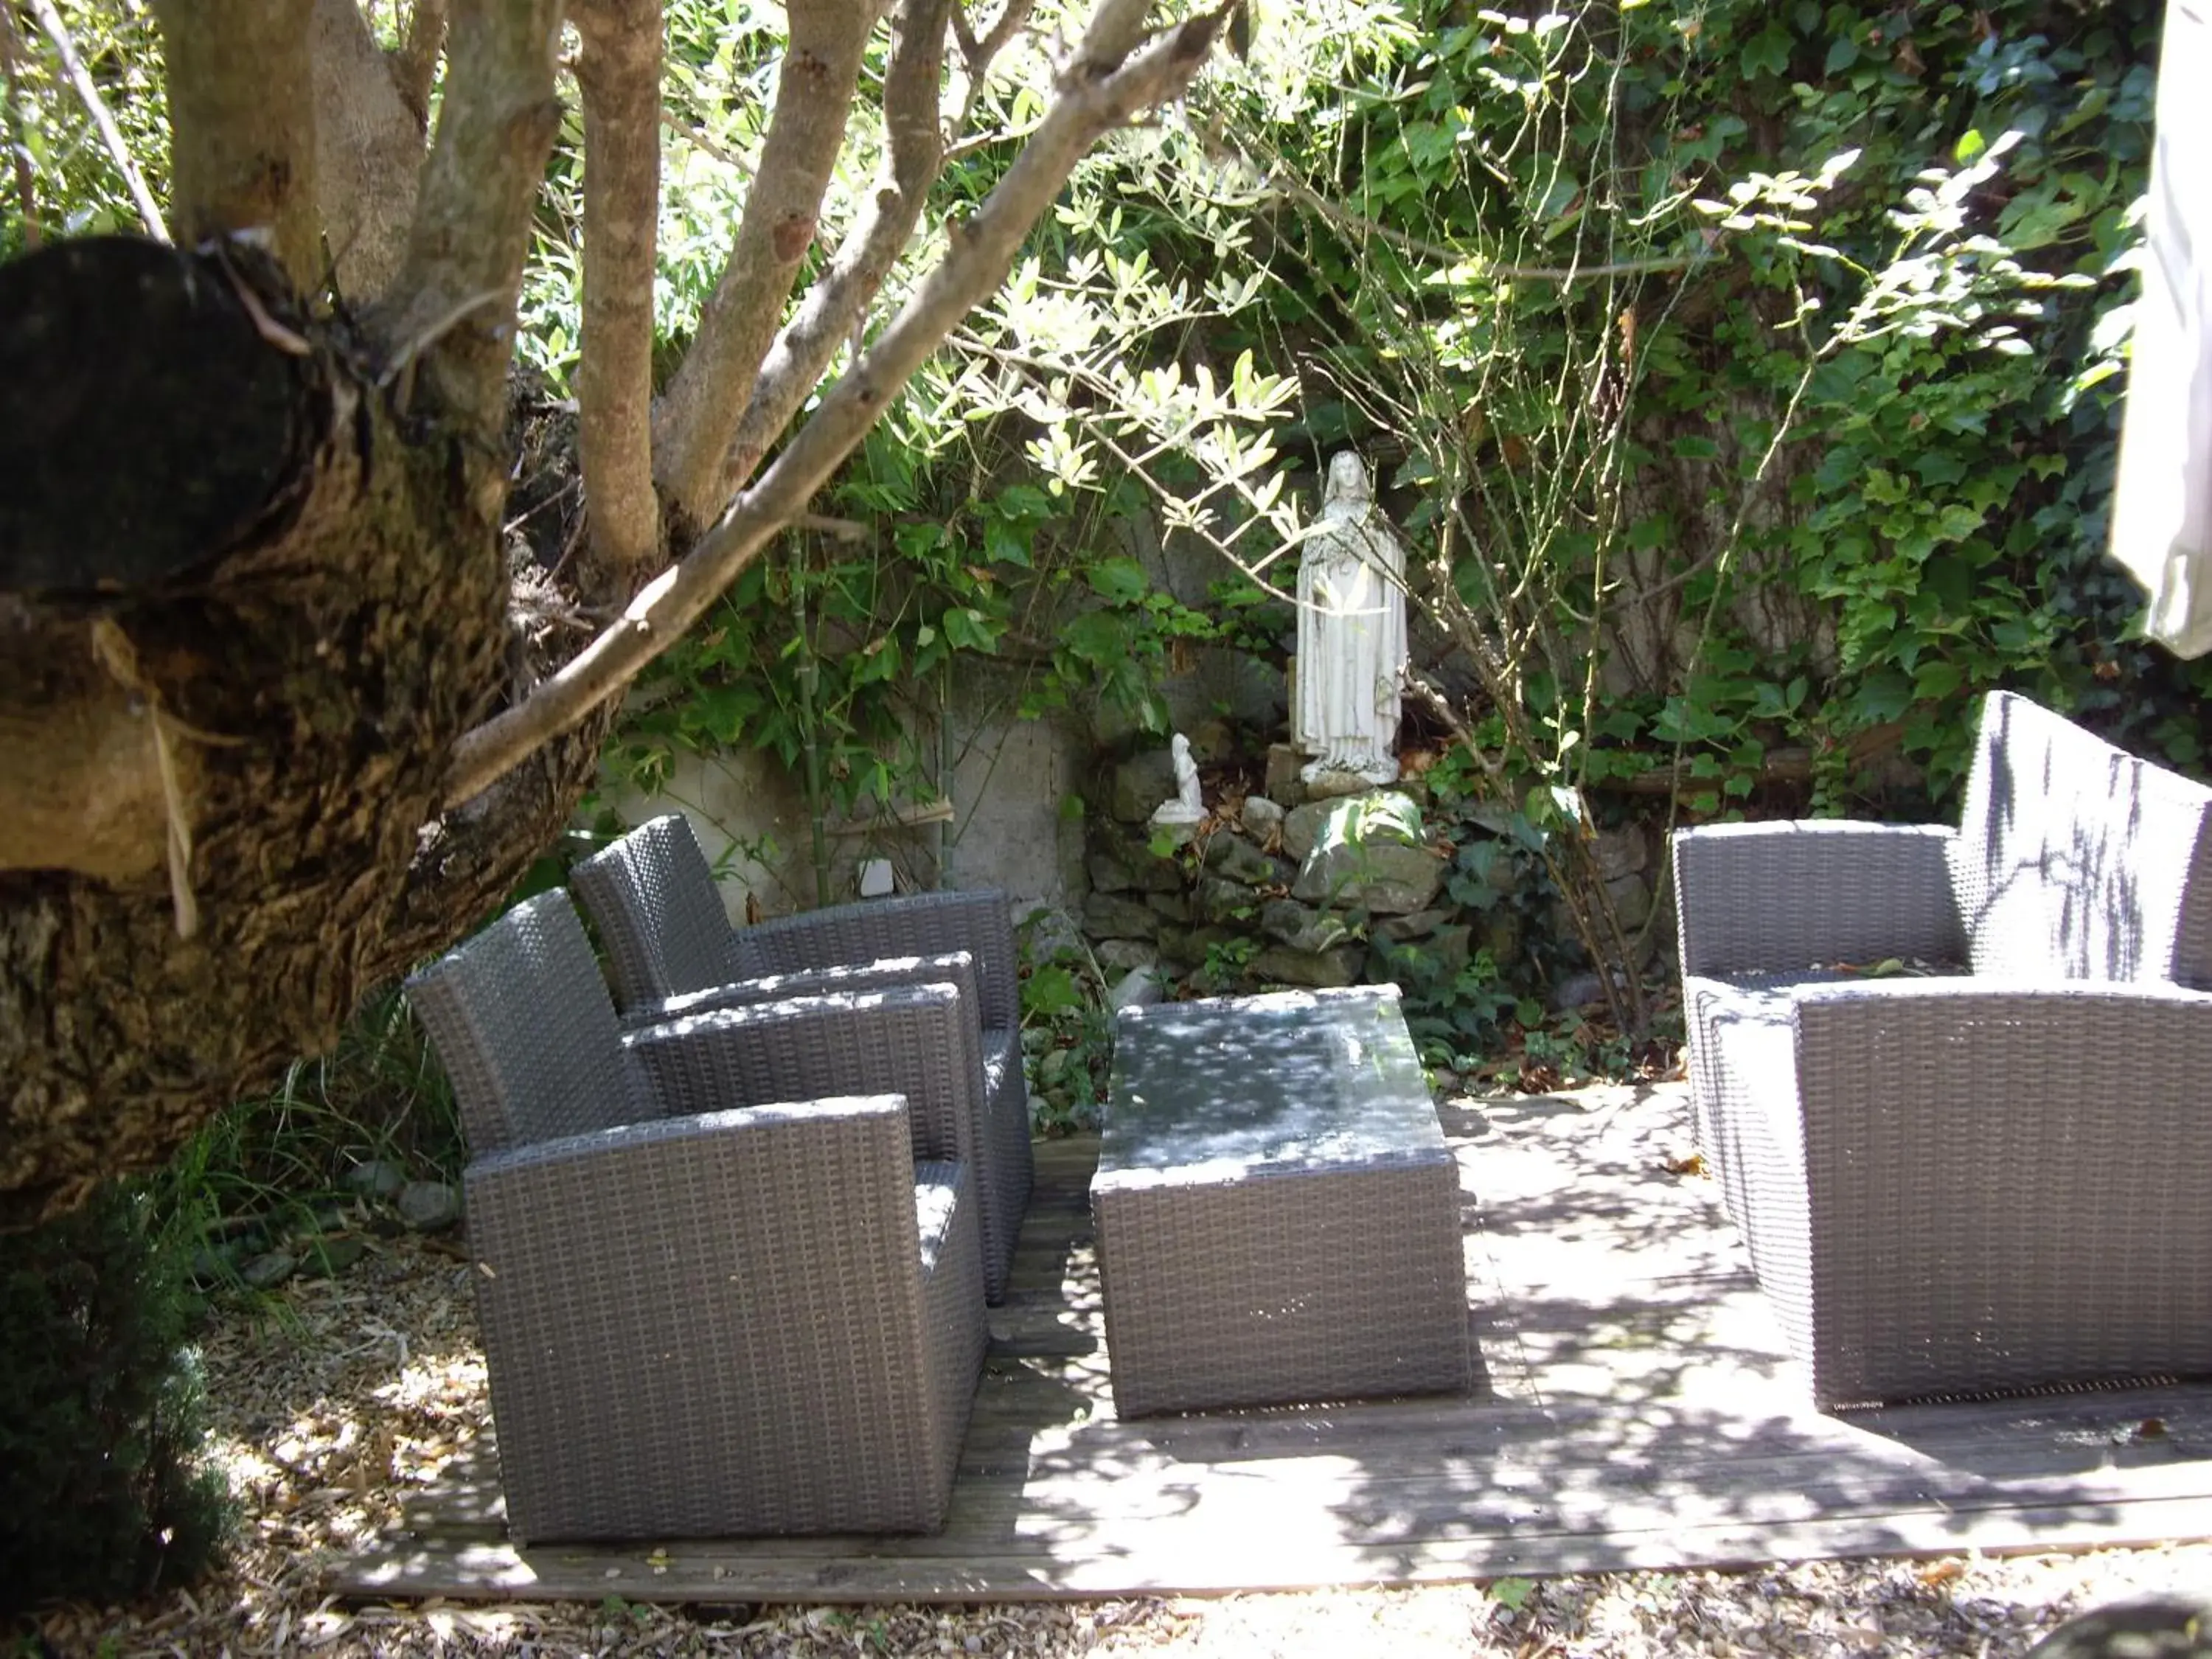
(1635, 1411)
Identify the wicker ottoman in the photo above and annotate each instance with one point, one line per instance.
(1277, 1214)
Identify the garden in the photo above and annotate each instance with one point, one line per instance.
(1740, 387)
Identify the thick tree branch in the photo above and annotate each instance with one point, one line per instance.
(705, 400)
(415, 65)
(50, 20)
(453, 305)
(1101, 89)
(619, 74)
(914, 154)
(368, 151)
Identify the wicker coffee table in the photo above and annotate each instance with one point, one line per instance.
(1277, 1214)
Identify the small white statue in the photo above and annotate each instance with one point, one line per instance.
(1187, 806)
(1352, 635)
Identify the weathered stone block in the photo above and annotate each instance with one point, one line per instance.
(1301, 927)
(1622, 852)
(1140, 783)
(1110, 915)
(1107, 873)
(1419, 924)
(1318, 969)
(1262, 817)
(1232, 903)
(1239, 860)
(1119, 956)
(1631, 900)
(1366, 852)
(1186, 947)
(1443, 952)
(1138, 989)
(1284, 784)
(1171, 907)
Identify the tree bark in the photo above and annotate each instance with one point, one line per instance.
(1108, 83)
(242, 150)
(368, 152)
(256, 616)
(619, 75)
(705, 400)
(312, 670)
(452, 305)
(835, 306)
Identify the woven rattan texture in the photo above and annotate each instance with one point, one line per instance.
(1314, 1285)
(905, 1040)
(957, 968)
(919, 1039)
(917, 925)
(1978, 1183)
(653, 898)
(671, 951)
(2077, 860)
(1947, 1188)
(1278, 1213)
(1777, 898)
(727, 1324)
(520, 1018)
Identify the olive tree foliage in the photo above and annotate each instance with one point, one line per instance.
(280, 713)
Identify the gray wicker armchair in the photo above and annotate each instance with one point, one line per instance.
(672, 951)
(721, 1293)
(1993, 1170)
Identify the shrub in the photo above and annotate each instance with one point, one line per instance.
(101, 1495)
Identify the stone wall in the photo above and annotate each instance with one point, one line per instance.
(1361, 888)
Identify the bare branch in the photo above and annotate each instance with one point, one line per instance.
(368, 151)
(707, 397)
(837, 302)
(695, 136)
(619, 74)
(1101, 90)
(11, 69)
(150, 210)
(975, 57)
(472, 225)
(415, 65)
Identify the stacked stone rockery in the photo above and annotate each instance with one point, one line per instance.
(1338, 891)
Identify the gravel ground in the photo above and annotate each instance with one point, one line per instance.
(333, 1397)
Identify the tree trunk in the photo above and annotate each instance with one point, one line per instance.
(307, 670)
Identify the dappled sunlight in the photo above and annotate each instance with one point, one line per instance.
(1635, 1409)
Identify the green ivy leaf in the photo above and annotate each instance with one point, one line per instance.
(1097, 637)
(1767, 52)
(1121, 579)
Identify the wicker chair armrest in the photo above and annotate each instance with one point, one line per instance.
(781, 1120)
(955, 968)
(1773, 897)
(918, 924)
(909, 1039)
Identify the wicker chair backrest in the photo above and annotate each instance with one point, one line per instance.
(2076, 860)
(652, 898)
(520, 1016)
(976, 920)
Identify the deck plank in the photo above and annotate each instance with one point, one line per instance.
(1634, 1409)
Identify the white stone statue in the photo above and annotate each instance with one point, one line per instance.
(1352, 636)
(1188, 806)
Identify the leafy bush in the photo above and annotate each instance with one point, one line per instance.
(100, 1411)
